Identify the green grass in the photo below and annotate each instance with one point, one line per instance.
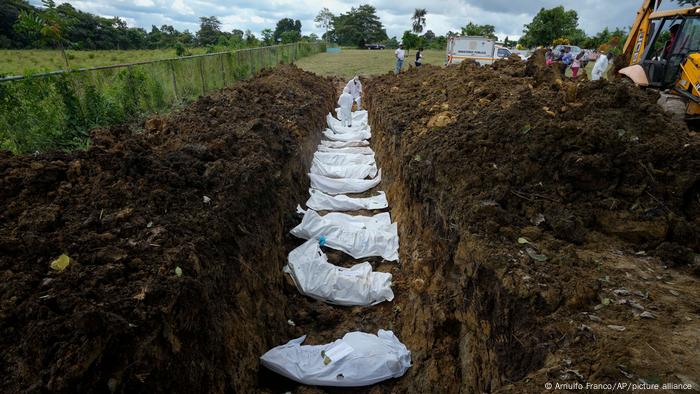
(58, 111)
(364, 62)
(18, 62)
(349, 62)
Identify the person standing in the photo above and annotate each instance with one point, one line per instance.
(566, 60)
(400, 54)
(419, 57)
(355, 89)
(576, 64)
(345, 102)
(600, 66)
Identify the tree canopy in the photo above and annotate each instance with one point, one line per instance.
(472, 29)
(550, 24)
(418, 20)
(209, 30)
(358, 27)
(291, 27)
(324, 20)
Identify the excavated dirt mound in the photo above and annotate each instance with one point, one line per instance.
(537, 216)
(210, 190)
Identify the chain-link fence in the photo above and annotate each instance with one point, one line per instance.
(57, 110)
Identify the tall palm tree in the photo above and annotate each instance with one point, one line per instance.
(418, 20)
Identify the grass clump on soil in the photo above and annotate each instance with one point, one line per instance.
(165, 291)
(600, 186)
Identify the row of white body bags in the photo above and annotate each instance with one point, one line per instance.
(358, 359)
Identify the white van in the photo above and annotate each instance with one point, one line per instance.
(481, 49)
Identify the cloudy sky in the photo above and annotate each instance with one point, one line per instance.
(507, 15)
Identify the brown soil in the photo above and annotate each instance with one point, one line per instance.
(128, 211)
(604, 186)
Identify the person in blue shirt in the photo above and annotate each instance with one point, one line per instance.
(566, 59)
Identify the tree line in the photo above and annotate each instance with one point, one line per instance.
(361, 26)
(560, 26)
(23, 26)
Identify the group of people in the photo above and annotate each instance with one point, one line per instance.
(567, 60)
(352, 93)
(400, 55)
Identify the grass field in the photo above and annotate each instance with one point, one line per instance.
(18, 62)
(345, 64)
(364, 62)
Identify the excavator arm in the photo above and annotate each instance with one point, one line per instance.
(634, 46)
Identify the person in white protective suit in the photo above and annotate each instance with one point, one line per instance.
(601, 65)
(355, 87)
(345, 102)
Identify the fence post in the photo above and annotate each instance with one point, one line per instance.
(132, 88)
(172, 71)
(238, 64)
(223, 73)
(252, 61)
(201, 74)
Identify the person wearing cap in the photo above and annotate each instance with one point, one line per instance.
(355, 88)
(400, 55)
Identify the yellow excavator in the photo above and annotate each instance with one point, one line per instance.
(663, 49)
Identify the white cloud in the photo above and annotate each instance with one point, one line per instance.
(182, 8)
